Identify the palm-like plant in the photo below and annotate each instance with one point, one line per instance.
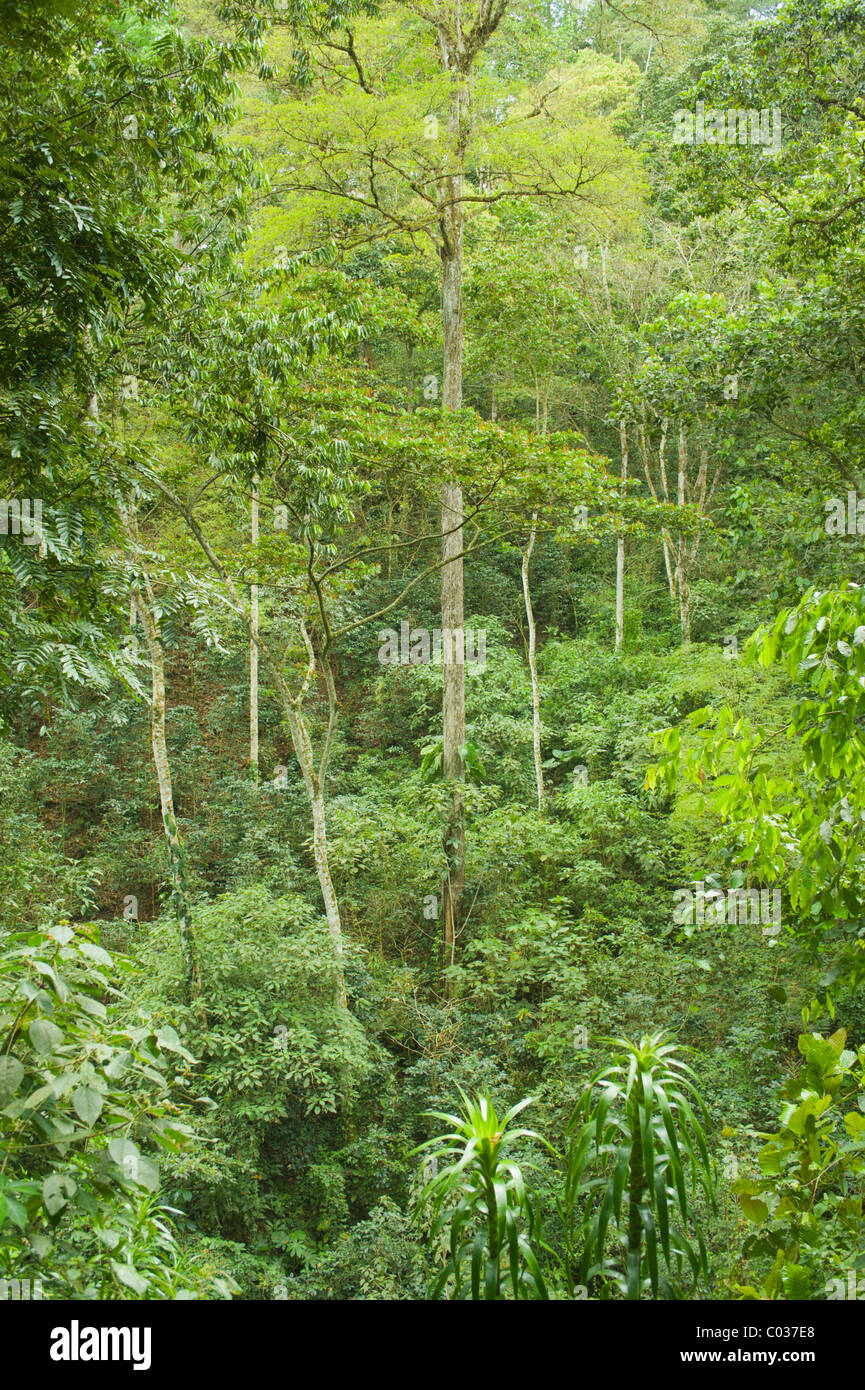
(643, 1130)
(478, 1191)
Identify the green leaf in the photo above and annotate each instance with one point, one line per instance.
(147, 1174)
(797, 1283)
(57, 1191)
(754, 1209)
(16, 1212)
(44, 1035)
(87, 1105)
(128, 1275)
(168, 1039)
(87, 948)
(11, 1075)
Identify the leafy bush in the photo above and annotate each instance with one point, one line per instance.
(85, 1107)
(808, 1202)
(380, 1258)
(279, 1062)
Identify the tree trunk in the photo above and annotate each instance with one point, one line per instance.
(684, 603)
(533, 668)
(328, 892)
(623, 437)
(665, 538)
(314, 782)
(176, 852)
(668, 566)
(620, 548)
(453, 717)
(453, 692)
(682, 585)
(253, 644)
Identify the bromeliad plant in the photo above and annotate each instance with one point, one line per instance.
(480, 1197)
(642, 1130)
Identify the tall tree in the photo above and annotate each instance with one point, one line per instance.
(687, 386)
(410, 143)
(253, 638)
(145, 608)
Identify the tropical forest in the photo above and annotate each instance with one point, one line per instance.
(432, 652)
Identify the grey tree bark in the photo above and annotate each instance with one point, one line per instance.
(253, 643)
(533, 666)
(176, 853)
(620, 548)
(452, 583)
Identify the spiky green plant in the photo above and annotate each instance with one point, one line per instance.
(643, 1132)
(478, 1192)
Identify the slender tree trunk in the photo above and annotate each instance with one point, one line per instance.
(684, 601)
(314, 783)
(682, 585)
(541, 418)
(292, 706)
(623, 437)
(133, 620)
(533, 667)
(253, 644)
(453, 695)
(666, 541)
(454, 717)
(328, 892)
(176, 852)
(620, 548)
(668, 565)
(665, 537)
